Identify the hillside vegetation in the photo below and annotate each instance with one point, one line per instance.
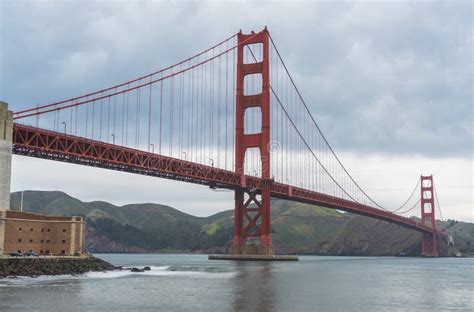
(296, 228)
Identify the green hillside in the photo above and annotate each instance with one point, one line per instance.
(296, 228)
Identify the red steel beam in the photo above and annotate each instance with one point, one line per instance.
(41, 143)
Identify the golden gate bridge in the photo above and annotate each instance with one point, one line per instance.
(228, 117)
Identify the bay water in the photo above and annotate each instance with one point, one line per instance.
(178, 282)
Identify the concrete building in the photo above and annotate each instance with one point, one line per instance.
(45, 235)
(6, 129)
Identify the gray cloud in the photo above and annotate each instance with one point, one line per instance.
(391, 78)
(398, 76)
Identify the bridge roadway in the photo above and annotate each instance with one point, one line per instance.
(41, 143)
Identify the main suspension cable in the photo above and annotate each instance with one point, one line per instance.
(319, 129)
(413, 207)
(437, 203)
(411, 195)
(307, 145)
(39, 107)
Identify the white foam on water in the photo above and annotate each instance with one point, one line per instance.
(125, 272)
(108, 274)
(159, 268)
(26, 280)
(154, 271)
(159, 271)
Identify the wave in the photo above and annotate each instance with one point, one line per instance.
(162, 271)
(167, 270)
(26, 280)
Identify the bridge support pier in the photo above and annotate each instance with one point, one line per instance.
(252, 203)
(252, 223)
(6, 130)
(428, 240)
(428, 245)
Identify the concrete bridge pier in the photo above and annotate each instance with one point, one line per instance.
(6, 130)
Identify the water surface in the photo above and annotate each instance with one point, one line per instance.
(192, 283)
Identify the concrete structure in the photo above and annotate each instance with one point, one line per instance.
(22, 231)
(45, 235)
(254, 257)
(6, 129)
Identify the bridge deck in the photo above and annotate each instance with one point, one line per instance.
(36, 142)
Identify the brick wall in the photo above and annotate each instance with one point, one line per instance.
(54, 235)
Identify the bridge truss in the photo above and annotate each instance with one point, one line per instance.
(229, 117)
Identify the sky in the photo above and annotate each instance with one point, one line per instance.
(391, 84)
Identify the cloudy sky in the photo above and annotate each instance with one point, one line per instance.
(391, 84)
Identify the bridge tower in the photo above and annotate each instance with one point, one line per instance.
(6, 130)
(252, 208)
(428, 241)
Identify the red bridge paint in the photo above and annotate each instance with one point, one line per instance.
(428, 242)
(35, 142)
(252, 209)
(252, 193)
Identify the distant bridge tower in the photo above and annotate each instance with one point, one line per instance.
(6, 130)
(428, 242)
(252, 210)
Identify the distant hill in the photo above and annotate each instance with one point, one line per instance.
(296, 228)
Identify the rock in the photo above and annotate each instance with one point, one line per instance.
(136, 270)
(34, 267)
(147, 268)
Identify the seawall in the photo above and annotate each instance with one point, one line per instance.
(51, 266)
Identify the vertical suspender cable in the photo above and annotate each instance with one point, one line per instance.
(149, 116)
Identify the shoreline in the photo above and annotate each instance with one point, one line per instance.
(289, 254)
(34, 267)
(52, 266)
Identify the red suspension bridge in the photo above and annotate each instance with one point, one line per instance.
(229, 117)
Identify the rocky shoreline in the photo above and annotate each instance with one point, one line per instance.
(33, 267)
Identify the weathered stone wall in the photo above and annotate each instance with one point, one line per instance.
(6, 129)
(2, 231)
(78, 235)
(82, 236)
(46, 235)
